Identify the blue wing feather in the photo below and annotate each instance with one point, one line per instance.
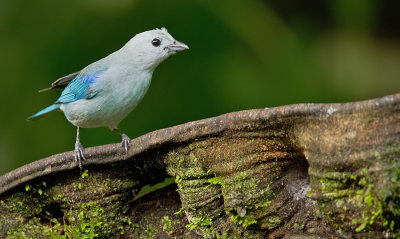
(80, 87)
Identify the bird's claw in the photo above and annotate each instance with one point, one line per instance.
(125, 142)
(79, 156)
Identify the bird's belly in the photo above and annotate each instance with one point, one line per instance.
(105, 109)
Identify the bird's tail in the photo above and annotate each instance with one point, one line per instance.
(44, 111)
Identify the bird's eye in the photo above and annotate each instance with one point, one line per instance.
(156, 42)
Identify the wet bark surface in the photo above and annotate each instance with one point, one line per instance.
(297, 171)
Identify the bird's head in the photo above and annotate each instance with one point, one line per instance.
(148, 49)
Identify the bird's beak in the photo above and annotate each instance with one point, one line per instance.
(177, 46)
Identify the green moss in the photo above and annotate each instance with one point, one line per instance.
(199, 222)
(180, 212)
(392, 148)
(309, 193)
(30, 203)
(213, 172)
(35, 229)
(30, 213)
(85, 173)
(91, 221)
(353, 192)
(370, 196)
(372, 208)
(204, 224)
(216, 181)
(150, 232)
(298, 226)
(254, 204)
(169, 225)
(243, 221)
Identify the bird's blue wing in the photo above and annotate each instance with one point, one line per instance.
(80, 87)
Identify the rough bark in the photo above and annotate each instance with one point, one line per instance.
(297, 171)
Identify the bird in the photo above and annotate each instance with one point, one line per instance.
(103, 93)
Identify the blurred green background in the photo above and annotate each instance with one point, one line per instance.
(243, 55)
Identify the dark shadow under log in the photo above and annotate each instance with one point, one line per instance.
(297, 171)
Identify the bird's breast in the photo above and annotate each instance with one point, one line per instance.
(129, 90)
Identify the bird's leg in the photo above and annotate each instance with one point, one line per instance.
(125, 139)
(79, 156)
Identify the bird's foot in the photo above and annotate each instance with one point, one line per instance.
(125, 142)
(79, 156)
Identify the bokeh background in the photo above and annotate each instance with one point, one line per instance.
(243, 55)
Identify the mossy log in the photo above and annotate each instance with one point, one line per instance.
(297, 171)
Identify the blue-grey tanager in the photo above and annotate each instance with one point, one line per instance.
(106, 91)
